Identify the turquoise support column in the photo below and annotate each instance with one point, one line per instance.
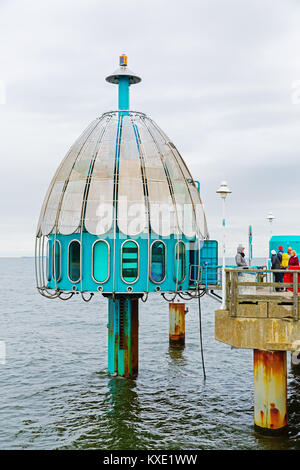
(124, 92)
(123, 336)
(124, 78)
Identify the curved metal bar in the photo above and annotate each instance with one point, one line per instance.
(65, 298)
(146, 193)
(86, 191)
(87, 300)
(49, 296)
(43, 261)
(189, 297)
(167, 141)
(35, 261)
(122, 111)
(48, 195)
(68, 178)
(115, 193)
(39, 263)
(201, 293)
(169, 300)
(169, 184)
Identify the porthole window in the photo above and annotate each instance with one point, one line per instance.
(100, 261)
(130, 261)
(74, 261)
(56, 260)
(180, 261)
(158, 261)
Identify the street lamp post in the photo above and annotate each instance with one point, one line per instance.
(223, 191)
(270, 218)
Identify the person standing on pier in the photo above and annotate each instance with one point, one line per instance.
(284, 260)
(293, 261)
(280, 257)
(279, 254)
(275, 264)
(240, 258)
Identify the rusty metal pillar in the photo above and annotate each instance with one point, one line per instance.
(177, 323)
(270, 390)
(123, 336)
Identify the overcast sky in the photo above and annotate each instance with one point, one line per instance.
(220, 77)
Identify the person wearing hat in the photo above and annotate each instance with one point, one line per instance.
(275, 264)
(240, 257)
(279, 254)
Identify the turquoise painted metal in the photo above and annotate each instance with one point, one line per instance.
(95, 265)
(209, 262)
(250, 245)
(285, 241)
(89, 242)
(124, 93)
(123, 336)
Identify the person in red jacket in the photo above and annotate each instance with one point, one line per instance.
(293, 261)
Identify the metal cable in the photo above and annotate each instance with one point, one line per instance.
(200, 332)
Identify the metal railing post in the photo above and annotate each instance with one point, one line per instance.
(295, 295)
(228, 286)
(234, 288)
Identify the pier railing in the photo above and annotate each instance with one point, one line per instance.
(237, 294)
(210, 276)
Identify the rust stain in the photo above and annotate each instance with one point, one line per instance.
(176, 337)
(273, 362)
(275, 421)
(177, 323)
(270, 388)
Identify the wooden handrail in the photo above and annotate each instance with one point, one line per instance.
(249, 270)
(233, 284)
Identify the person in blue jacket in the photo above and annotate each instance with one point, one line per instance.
(275, 264)
(279, 255)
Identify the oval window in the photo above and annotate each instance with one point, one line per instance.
(130, 261)
(158, 261)
(56, 257)
(180, 262)
(100, 261)
(74, 261)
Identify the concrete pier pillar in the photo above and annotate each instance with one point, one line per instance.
(177, 323)
(270, 390)
(123, 336)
